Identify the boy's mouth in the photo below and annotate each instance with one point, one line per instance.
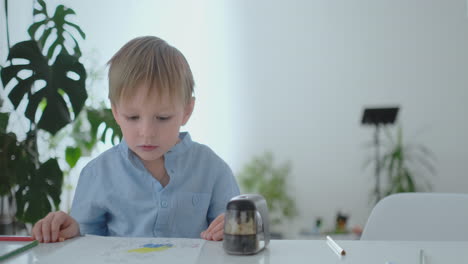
(147, 147)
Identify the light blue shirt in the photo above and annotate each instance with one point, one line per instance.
(117, 196)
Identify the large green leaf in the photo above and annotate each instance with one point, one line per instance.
(4, 117)
(58, 80)
(15, 161)
(40, 194)
(97, 117)
(75, 89)
(58, 25)
(8, 151)
(86, 131)
(37, 63)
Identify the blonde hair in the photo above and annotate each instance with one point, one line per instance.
(152, 62)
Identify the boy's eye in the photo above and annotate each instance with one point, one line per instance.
(132, 118)
(163, 118)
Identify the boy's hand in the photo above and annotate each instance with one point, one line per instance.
(216, 229)
(55, 227)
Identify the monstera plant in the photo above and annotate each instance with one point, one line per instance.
(46, 85)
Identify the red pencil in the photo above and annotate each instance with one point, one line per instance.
(16, 238)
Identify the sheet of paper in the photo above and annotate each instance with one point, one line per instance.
(97, 249)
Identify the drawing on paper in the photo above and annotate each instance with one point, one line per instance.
(127, 250)
(152, 247)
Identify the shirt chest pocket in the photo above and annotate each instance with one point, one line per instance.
(192, 209)
(193, 201)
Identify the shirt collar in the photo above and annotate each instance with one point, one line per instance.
(128, 154)
(184, 144)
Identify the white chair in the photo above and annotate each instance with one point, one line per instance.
(419, 216)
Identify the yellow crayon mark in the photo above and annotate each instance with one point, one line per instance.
(146, 250)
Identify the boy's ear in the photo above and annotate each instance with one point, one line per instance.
(188, 111)
(115, 114)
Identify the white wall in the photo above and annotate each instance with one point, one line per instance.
(294, 76)
(304, 70)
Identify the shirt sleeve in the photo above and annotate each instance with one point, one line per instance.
(224, 189)
(86, 208)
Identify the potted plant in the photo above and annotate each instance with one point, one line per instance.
(404, 165)
(45, 75)
(263, 177)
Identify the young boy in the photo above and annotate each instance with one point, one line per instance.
(157, 182)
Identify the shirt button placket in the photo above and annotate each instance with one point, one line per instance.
(162, 221)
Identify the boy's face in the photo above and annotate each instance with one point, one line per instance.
(151, 124)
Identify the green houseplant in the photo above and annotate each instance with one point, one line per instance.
(50, 74)
(404, 165)
(261, 175)
(45, 75)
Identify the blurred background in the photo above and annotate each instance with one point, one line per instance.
(283, 85)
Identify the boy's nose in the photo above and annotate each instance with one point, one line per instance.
(147, 129)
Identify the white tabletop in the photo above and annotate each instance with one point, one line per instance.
(362, 252)
(101, 250)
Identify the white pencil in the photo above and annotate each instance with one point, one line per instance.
(335, 247)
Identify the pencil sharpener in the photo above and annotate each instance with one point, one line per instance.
(246, 225)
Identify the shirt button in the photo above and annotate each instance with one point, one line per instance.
(164, 204)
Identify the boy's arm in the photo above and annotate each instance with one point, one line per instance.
(86, 210)
(224, 189)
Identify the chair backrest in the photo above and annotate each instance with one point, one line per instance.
(419, 216)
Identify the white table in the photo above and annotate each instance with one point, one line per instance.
(362, 252)
(279, 251)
